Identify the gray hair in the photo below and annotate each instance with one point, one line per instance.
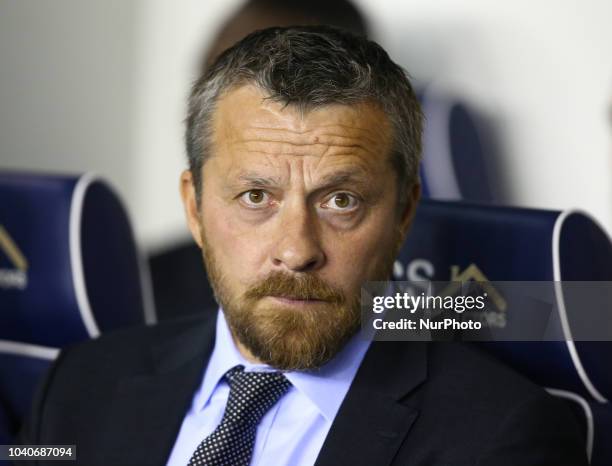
(309, 67)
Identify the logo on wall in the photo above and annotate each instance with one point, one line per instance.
(17, 275)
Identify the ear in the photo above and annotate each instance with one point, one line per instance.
(407, 215)
(190, 204)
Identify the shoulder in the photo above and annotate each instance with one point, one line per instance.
(81, 383)
(464, 377)
(469, 387)
(134, 339)
(473, 368)
(451, 370)
(126, 351)
(473, 409)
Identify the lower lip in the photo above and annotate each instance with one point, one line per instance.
(297, 302)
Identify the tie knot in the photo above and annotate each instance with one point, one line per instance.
(252, 394)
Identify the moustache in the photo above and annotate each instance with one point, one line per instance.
(304, 287)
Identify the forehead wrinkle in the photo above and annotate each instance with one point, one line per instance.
(279, 141)
(339, 141)
(310, 150)
(278, 171)
(347, 176)
(246, 124)
(343, 163)
(323, 134)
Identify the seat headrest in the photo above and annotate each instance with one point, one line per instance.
(525, 245)
(455, 149)
(69, 267)
(505, 243)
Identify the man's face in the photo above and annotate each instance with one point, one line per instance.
(296, 213)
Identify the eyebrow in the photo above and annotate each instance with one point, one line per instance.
(257, 180)
(342, 178)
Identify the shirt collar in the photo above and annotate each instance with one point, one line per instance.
(325, 387)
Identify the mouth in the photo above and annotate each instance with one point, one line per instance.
(297, 301)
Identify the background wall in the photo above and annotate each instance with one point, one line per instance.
(66, 87)
(101, 85)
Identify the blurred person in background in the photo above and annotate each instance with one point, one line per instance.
(260, 14)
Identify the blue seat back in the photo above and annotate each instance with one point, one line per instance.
(69, 271)
(517, 244)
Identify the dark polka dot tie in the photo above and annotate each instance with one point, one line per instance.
(251, 395)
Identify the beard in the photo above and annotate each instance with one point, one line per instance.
(290, 337)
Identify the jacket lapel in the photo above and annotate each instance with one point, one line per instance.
(372, 423)
(148, 409)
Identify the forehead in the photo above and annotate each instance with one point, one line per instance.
(246, 121)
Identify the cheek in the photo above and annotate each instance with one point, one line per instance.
(238, 249)
(358, 254)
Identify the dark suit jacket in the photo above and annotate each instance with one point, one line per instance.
(122, 398)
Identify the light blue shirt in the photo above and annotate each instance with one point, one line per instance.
(293, 431)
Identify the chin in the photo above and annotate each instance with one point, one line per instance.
(292, 337)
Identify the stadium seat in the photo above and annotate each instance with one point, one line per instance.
(69, 271)
(6, 429)
(487, 243)
(5, 426)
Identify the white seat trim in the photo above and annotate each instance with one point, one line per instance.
(76, 256)
(588, 414)
(567, 332)
(27, 349)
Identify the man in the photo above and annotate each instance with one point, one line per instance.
(303, 147)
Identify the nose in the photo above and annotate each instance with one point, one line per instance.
(298, 248)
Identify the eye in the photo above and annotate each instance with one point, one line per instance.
(341, 201)
(254, 198)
